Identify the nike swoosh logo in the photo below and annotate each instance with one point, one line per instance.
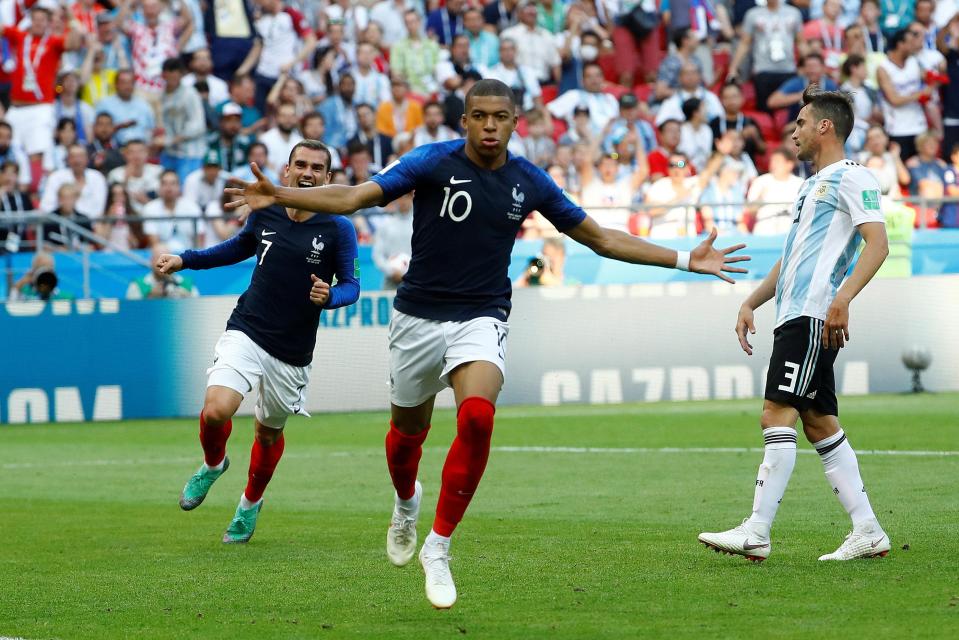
(455, 181)
(749, 547)
(875, 543)
(268, 233)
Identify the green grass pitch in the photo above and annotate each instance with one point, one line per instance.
(557, 544)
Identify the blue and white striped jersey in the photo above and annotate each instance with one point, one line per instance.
(824, 238)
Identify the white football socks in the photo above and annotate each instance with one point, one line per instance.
(246, 504)
(773, 477)
(842, 471)
(407, 507)
(434, 539)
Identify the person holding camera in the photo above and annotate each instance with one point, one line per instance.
(39, 283)
(546, 269)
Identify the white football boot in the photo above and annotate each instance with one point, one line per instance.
(868, 541)
(741, 541)
(401, 536)
(440, 590)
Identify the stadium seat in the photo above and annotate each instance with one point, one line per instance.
(559, 128)
(643, 92)
(615, 90)
(749, 96)
(767, 126)
(781, 118)
(721, 60)
(522, 126)
(550, 91)
(608, 63)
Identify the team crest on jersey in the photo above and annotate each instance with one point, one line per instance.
(516, 212)
(314, 257)
(821, 191)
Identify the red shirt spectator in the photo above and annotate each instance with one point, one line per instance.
(38, 56)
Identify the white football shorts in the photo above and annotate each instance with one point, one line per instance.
(242, 365)
(424, 352)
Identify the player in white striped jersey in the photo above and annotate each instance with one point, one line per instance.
(837, 208)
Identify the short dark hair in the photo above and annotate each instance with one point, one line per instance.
(257, 145)
(315, 145)
(170, 172)
(311, 115)
(431, 104)
(896, 38)
(785, 153)
(731, 84)
(854, 60)
(355, 146)
(491, 88)
(593, 63)
(662, 125)
(239, 79)
(690, 107)
(679, 36)
(835, 106)
(172, 64)
(104, 114)
(813, 56)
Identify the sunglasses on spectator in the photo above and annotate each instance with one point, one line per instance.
(679, 164)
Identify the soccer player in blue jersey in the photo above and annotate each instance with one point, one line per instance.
(837, 208)
(269, 338)
(449, 324)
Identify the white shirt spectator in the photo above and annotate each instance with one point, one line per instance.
(774, 219)
(372, 88)
(392, 245)
(535, 49)
(389, 15)
(697, 144)
(614, 198)
(219, 90)
(93, 195)
(147, 182)
(518, 78)
(278, 146)
(672, 107)
(678, 220)
(603, 107)
(198, 190)
(422, 136)
(177, 235)
(281, 41)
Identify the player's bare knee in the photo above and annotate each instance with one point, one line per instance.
(216, 412)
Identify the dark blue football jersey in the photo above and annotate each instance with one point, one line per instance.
(275, 311)
(465, 220)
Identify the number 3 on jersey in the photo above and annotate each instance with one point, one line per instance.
(449, 204)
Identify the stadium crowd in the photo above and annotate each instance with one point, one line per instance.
(663, 118)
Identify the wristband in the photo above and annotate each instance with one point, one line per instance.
(682, 260)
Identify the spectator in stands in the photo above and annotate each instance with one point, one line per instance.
(583, 166)
(769, 35)
(857, 44)
(313, 127)
(630, 120)
(392, 242)
(103, 152)
(10, 151)
(677, 195)
(695, 136)
(339, 114)
(353, 16)
(608, 196)
(445, 23)
(450, 72)
(230, 33)
(865, 101)
(948, 42)
(731, 98)
(670, 133)
(60, 235)
(789, 93)
(90, 183)
(896, 15)
(949, 213)
(399, 113)
(578, 49)
(201, 69)
(259, 154)
(390, 15)
(926, 165)
(723, 199)
(379, 145)
(869, 18)
(68, 105)
(134, 117)
(484, 44)
(206, 184)
(242, 91)
(373, 35)
(231, 145)
(163, 223)
(546, 269)
(64, 135)
(538, 143)
(140, 178)
(12, 198)
(522, 80)
(154, 41)
(603, 107)
(582, 130)
(827, 29)
(40, 282)
(415, 57)
(902, 89)
(114, 227)
(183, 141)
(779, 188)
(690, 86)
(501, 15)
(890, 170)
(536, 47)
(157, 285)
(281, 139)
(433, 129)
(283, 41)
(372, 87)
(36, 53)
(686, 42)
(343, 53)
(111, 45)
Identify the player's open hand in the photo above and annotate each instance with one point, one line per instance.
(744, 324)
(255, 195)
(320, 292)
(707, 259)
(168, 264)
(835, 331)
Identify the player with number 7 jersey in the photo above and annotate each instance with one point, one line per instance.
(269, 339)
(450, 322)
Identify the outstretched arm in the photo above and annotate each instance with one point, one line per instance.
(618, 245)
(335, 198)
(236, 249)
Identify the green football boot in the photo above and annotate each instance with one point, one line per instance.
(243, 524)
(199, 485)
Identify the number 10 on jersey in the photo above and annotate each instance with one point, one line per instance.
(449, 204)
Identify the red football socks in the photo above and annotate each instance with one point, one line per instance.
(403, 453)
(213, 440)
(465, 462)
(263, 461)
